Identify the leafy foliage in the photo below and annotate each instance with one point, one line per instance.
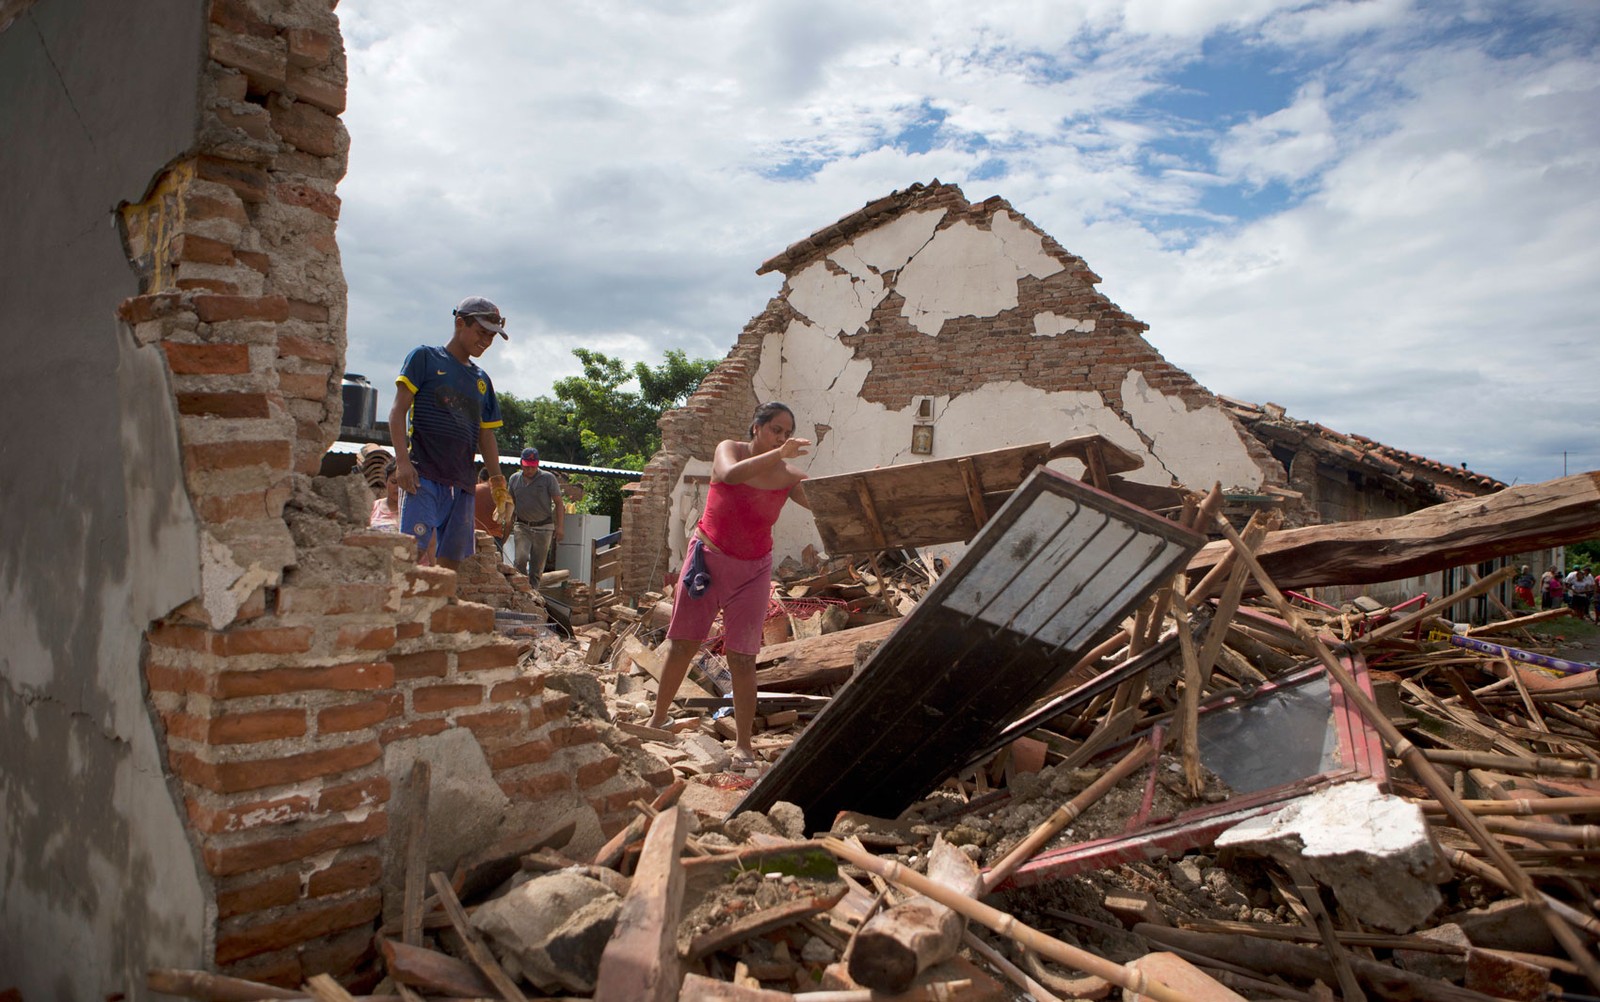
(1584, 554)
(596, 420)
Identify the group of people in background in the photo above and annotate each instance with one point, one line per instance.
(1575, 590)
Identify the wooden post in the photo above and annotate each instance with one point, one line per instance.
(640, 963)
(416, 875)
(974, 486)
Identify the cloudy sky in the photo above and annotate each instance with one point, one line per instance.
(1382, 214)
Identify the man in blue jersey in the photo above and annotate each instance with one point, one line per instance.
(452, 414)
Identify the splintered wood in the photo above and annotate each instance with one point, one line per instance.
(1087, 828)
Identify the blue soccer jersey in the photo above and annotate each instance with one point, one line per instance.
(453, 401)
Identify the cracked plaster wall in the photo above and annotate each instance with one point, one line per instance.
(977, 311)
(97, 878)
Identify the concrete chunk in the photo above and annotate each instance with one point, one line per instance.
(1372, 849)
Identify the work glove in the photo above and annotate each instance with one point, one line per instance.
(504, 508)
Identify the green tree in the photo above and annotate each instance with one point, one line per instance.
(599, 419)
(1584, 554)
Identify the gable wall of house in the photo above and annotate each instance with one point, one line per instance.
(925, 303)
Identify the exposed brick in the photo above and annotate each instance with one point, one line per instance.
(218, 508)
(304, 385)
(258, 854)
(328, 95)
(225, 405)
(355, 716)
(276, 455)
(237, 777)
(240, 18)
(299, 309)
(531, 788)
(369, 792)
(267, 640)
(274, 892)
(445, 697)
(275, 681)
(250, 119)
(186, 638)
(353, 874)
(260, 725)
(573, 735)
(491, 723)
(264, 60)
(255, 261)
(185, 726)
(311, 47)
(466, 617)
(342, 954)
(594, 773)
(409, 631)
(217, 309)
(324, 203)
(431, 582)
(308, 128)
(303, 347)
(281, 968)
(424, 664)
(302, 923)
(520, 688)
(527, 753)
(249, 182)
(143, 309)
(501, 655)
(178, 680)
(206, 359)
(217, 286)
(302, 600)
(417, 729)
(556, 703)
(238, 817)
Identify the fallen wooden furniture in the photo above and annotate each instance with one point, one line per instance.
(1058, 567)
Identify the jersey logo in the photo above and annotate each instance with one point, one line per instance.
(483, 387)
(441, 372)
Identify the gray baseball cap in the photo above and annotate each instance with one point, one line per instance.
(484, 312)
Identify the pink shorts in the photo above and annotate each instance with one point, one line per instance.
(740, 590)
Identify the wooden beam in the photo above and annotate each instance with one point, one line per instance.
(431, 971)
(1516, 520)
(974, 486)
(896, 945)
(416, 873)
(476, 948)
(640, 962)
(869, 511)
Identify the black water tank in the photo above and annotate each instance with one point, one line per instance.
(360, 403)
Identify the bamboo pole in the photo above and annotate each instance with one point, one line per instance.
(1419, 765)
(1511, 763)
(1523, 808)
(1064, 815)
(1018, 976)
(1585, 836)
(1470, 864)
(1006, 925)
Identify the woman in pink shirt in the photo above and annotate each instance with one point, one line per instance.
(732, 546)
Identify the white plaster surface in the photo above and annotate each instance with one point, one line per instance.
(838, 303)
(1048, 324)
(1200, 447)
(965, 271)
(1372, 849)
(889, 247)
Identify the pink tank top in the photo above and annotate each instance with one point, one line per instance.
(738, 518)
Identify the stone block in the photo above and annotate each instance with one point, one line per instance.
(1371, 849)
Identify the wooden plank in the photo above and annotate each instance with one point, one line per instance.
(816, 662)
(1092, 450)
(958, 669)
(1518, 519)
(476, 948)
(432, 971)
(915, 504)
(651, 662)
(416, 874)
(640, 962)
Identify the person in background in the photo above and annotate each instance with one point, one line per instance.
(539, 511)
(483, 511)
(728, 567)
(1580, 591)
(1551, 588)
(1522, 587)
(444, 412)
(386, 510)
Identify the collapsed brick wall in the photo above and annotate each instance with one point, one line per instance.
(1094, 353)
(316, 643)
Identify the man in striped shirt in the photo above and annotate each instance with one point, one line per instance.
(444, 413)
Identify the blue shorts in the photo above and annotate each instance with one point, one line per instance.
(442, 509)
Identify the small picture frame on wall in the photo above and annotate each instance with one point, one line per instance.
(922, 440)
